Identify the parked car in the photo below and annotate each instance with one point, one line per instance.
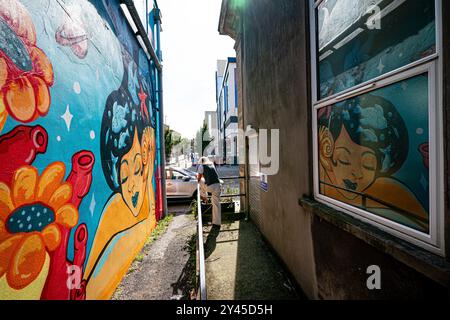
(180, 183)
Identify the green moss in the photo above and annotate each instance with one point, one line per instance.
(140, 257)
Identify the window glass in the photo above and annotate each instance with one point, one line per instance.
(359, 40)
(177, 175)
(373, 152)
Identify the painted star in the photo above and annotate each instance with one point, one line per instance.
(143, 97)
(67, 116)
(92, 205)
(424, 182)
(381, 66)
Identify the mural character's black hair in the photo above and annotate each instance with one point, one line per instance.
(375, 123)
(122, 119)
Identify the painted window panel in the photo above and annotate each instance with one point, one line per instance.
(355, 46)
(373, 152)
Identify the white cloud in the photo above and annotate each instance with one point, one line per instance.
(191, 47)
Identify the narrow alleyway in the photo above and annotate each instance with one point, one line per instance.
(240, 266)
(165, 270)
(239, 263)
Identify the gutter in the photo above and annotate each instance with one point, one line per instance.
(142, 32)
(161, 111)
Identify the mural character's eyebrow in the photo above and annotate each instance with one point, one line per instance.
(344, 148)
(368, 152)
(137, 154)
(124, 161)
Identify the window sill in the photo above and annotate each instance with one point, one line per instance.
(432, 266)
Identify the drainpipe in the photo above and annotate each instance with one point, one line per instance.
(142, 31)
(157, 15)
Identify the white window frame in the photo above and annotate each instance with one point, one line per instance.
(434, 241)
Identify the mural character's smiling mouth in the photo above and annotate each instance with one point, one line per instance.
(135, 198)
(350, 185)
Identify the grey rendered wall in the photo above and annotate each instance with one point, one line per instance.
(274, 60)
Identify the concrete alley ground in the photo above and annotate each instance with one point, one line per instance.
(240, 266)
(163, 270)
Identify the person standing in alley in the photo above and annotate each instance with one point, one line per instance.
(207, 170)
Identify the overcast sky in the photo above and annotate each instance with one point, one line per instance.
(191, 47)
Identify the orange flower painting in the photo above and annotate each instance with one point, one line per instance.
(32, 212)
(26, 74)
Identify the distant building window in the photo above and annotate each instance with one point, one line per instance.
(378, 138)
(235, 89)
(226, 99)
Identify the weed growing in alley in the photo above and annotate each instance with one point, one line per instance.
(187, 283)
(160, 229)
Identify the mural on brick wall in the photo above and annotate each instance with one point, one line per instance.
(77, 149)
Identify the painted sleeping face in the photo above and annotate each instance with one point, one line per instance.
(133, 182)
(354, 166)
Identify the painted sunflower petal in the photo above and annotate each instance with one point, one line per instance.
(3, 113)
(3, 78)
(27, 262)
(42, 65)
(20, 100)
(52, 237)
(3, 232)
(42, 95)
(24, 185)
(49, 181)
(7, 249)
(6, 204)
(3, 72)
(67, 216)
(61, 196)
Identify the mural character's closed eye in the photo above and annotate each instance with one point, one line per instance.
(132, 179)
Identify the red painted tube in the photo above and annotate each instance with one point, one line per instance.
(20, 147)
(158, 196)
(81, 176)
(57, 284)
(80, 242)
